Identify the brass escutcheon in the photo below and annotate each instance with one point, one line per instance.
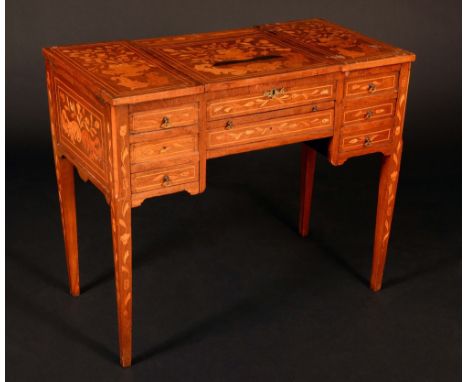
(272, 93)
(369, 114)
(229, 125)
(166, 181)
(165, 123)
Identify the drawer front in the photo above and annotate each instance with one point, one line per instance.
(366, 140)
(371, 85)
(261, 98)
(318, 122)
(157, 150)
(164, 118)
(369, 113)
(166, 178)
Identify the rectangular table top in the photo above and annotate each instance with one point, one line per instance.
(194, 63)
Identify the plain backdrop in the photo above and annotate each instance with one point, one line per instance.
(224, 287)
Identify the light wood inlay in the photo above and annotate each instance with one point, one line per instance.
(369, 113)
(151, 120)
(292, 96)
(153, 151)
(320, 123)
(366, 140)
(371, 85)
(159, 179)
(140, 119)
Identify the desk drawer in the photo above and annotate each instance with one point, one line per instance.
(230, 133)
(365, 140)
(261, 98)
(371, 85)
(161, 149)
(164, 118)
(368, 111)
(164, 178)
(369, 137)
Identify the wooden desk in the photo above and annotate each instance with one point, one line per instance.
(140, 118)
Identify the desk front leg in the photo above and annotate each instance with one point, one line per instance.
(121, 211)
(389, 173)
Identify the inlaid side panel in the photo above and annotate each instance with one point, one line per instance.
(81, 133)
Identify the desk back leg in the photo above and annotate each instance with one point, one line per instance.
(308, 159)
(389, 173)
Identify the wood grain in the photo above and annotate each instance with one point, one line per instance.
(389, 175)
(320, 123)
(164, 118)
(139, 119)
(66, 192)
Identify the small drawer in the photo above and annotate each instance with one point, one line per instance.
(164, 118)
(157, 150)
(165, 178)
(230, 132)
(371, 85)
(368, 112)
(366, 140)
(261, 98)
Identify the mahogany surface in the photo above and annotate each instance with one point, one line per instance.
(140, 118)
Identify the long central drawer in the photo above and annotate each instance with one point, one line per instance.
(236, 132)
(268, 97)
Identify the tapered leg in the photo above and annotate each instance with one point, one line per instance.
(66, 190)
(122, 241)
(387, 191)
(308, 159)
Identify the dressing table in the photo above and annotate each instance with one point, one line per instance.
(139, 119)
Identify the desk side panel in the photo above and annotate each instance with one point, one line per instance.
(80, 126)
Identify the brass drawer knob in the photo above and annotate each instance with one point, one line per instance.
(165, 123)
(315, 108)
(229, 125)
(273, 93)
(372, 87)
(367, 142)
(369, 114)
(166, 181)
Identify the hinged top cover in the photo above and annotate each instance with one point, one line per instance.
(135, 71)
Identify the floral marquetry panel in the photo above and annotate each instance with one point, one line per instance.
(122, 69)
(339, 43)
(81, 130)
(234, 57)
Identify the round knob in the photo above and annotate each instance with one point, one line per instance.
(166, 181)
(367, 142)
(315, 108)
(229, 125)
(372, 87)
(165, 122)
(369, 114)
